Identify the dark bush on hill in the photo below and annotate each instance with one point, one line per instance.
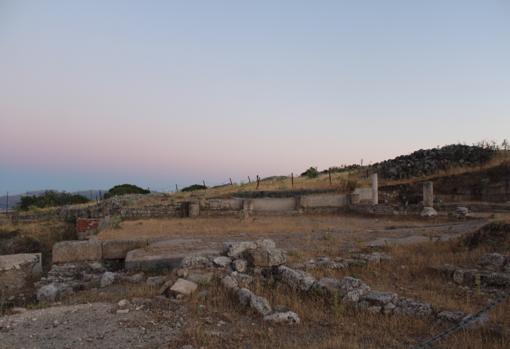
(194, 187)
(311, 173)
(124, 189)
(50, 199)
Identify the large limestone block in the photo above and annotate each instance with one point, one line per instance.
(118, 249)
(143, 259)
(18, 271)
(76, 251)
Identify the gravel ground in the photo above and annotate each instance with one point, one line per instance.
(95, 325)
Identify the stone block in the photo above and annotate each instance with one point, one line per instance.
(19, 271)
(118, 249)
(183, 287)
(77, 251)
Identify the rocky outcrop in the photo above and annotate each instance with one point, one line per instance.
(425, 162)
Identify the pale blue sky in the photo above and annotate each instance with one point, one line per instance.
(96, 93)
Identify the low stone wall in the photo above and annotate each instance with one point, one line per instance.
(272, 205)
(323, 201)
(94, 250)
(215, 207)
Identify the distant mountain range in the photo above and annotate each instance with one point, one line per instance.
(15, 199)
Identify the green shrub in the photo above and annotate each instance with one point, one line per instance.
(311, 173)
(124, 189)
(194, 187)
(50, 199)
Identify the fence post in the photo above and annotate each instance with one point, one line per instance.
(329, 174)
(258, 181)
(231, 181)
(176, 188)
(292, 179)
(249, 179)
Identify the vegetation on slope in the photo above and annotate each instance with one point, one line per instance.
(124, 189)
(50, 199)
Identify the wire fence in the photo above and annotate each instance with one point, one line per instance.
(465, 323)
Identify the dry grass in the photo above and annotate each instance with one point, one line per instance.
(255, 226)
(328, 324)
(338, 183)
(34, 237)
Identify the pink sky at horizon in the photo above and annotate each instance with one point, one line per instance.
(95, 93)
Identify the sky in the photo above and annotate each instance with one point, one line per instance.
(158, 93)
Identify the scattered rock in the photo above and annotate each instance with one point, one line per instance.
(195, 261)
(182, 272)
(464, 276)
(461, 212)
(107, 279)
(229, 282)
(351, 289)
(379, 298)
(183, 287)
(288, 318)
(492, 261)
(407, 306)
(155, 281)
(235, 249)
(266, 257)
(451, 316)
(428, 212)
(296, 279)
(243, 280)
(328, 285)
(240, 265)
(135, 278)
(260, 304)
(47, 293)
(123, 303)
(244, 296)
(222, 261)
(202, 278)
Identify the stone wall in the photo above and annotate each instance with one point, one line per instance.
(272, 205)
(215, 207)
(491, 186)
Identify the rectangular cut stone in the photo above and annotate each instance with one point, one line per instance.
(76, 251)
(118, 249)
(18, 272)
(157, 259)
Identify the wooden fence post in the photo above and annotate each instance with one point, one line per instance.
(249, 179)
(258, 181)
(329, 173)
(292, 179)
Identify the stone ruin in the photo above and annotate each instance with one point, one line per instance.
(79, 265)
(492, 274)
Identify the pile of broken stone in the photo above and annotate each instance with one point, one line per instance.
(238, 266)
(492, 273)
